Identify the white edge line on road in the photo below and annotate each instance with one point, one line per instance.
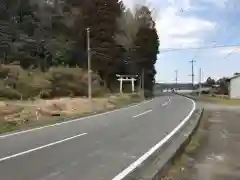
(40, 147)
(145, 112)
(139, 161)
(70, 121)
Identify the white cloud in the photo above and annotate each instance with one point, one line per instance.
(178, 31)
(184, 4)
(218, 3)
(175, 29)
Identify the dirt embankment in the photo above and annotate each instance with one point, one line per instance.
(17, 114)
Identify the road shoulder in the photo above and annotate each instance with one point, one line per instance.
(213, 153)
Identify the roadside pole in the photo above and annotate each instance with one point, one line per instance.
(142, 82)
(176, 79)
(200, 81)
(89, 68)
(192, 74)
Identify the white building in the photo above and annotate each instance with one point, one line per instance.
(234, 87)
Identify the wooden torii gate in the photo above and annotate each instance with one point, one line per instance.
(128, 78)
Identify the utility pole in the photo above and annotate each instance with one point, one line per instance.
(200, 81)
(142, 82)
(176, 77)
(192, 75)
(89, 66)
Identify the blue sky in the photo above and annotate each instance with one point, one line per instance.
(196, 23)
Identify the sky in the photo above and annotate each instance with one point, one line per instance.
(193, 24)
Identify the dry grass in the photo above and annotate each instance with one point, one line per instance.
(18, 84)
(220, 100)
(178, 163)
(17, 114)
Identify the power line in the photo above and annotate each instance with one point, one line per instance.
(231, 52)
(198, 48)
(200, 81)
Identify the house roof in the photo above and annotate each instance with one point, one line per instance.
(236, 76)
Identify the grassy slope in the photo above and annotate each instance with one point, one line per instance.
(220, 100)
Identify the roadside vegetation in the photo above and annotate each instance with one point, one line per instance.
(219, 99)
(15, 115)
(43, 46)
(43, 57)
(216, 92)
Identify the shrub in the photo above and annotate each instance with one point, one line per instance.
(72, 82)
(9, 93)
(57, 82)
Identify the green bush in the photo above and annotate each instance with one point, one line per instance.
(9, 93)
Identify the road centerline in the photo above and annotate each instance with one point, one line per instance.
(145, 112)
(40, 147)
(167, 102)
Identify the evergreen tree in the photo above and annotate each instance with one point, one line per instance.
(146, 49)
(101, 17)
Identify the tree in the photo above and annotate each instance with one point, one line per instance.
(210, 81)
(127, 29)
(100, 16)
(146, 48)
(223, 85)
(7, 34)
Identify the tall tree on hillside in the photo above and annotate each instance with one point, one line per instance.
(127, 29)
(146, 48)
(101, 17)
(7, 30)
(125, 36)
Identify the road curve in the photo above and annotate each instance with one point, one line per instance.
(98, 147)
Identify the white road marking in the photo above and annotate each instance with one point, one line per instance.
(167, 102)
(139, 161)
(70, 121)
(40, 147)
(164, 104)
(145, 112)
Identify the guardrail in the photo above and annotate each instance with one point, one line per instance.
(149, 166)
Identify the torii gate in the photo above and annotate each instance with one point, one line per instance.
(129, 78)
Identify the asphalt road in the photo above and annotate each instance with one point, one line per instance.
(92, 148)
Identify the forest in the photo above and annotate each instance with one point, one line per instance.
(43, 47)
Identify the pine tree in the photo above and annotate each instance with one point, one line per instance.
(100, 16)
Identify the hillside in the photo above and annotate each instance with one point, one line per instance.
(45, 45)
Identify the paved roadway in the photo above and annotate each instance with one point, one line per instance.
(93, 148)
